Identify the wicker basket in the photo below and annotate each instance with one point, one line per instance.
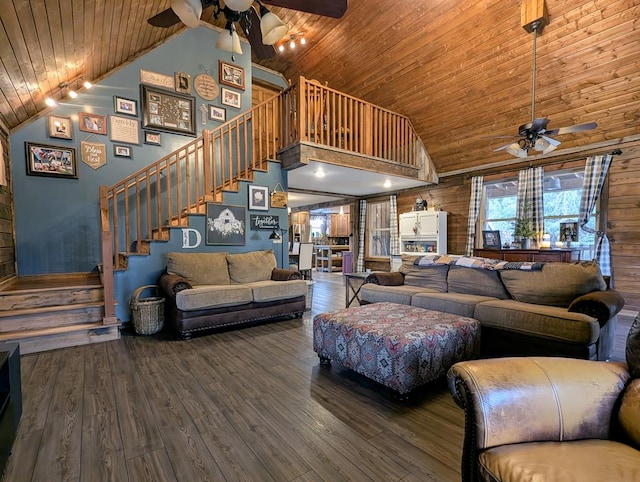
(147, 314)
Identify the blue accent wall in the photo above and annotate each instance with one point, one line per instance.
(57, 220)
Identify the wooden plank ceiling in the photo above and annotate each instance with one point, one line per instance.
(459, 69)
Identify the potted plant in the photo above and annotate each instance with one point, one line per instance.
(524, 229)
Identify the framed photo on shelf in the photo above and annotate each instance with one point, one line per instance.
(152, 138)
(167, 111)
(231, 98)
(226, 224)
(217, 113)
(491, 240)
(258, 197)
(125, 106)
(60, 127)
(121, 151)
(94, 123)
(569, 232)
(51, 161)
(231, 75)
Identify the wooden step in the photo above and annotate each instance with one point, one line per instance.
(12, 299)
(47, 317)
(33, 341)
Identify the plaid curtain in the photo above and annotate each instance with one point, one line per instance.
(474, 209)
(595, 172)
(361, 237)
(394, 243)
(530, 197)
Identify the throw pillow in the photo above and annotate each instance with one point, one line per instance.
(252, 266)
(633, 348)
(199, 268)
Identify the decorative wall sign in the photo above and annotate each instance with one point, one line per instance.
(52, 161)
(93, 154)
(94, 123)
(206, 86)
(168, 111)
(124, 129)
(229, 97)
(155, 78)
(262, 221)
(203, 114)
(183, 82)
(231, 75)
(279, 198)
(60, 127)
(225, 224)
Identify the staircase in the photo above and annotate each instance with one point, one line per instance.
(45, 312)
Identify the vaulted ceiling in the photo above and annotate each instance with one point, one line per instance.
(459, 69)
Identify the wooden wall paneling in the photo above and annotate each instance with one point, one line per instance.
(7, 236)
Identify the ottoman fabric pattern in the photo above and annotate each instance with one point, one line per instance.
(400, 346)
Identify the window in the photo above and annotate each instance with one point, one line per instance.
(378, 229)
(562, 193)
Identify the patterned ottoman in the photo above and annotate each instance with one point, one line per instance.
(400, 346)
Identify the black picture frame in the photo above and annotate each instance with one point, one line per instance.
(491, 240)
(122, 151)
(225, 225)
(51, 160)
(152, 138)
(168, 111)
(258, 198)
(125, 106)
(569, 232)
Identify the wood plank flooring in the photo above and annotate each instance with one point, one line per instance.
(249, 404)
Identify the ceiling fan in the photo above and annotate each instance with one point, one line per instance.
(535, 135)
(262, 28)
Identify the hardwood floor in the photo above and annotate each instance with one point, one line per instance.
(249, 404)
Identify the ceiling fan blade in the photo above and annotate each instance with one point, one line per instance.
(501, 148)
(553, 142)
(254, 35)
(576, 128)
(326, 8)
(539, 124)
(164, 19)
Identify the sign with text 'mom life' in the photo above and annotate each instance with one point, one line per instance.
(261, 221)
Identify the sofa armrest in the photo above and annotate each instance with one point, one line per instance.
(171, 284)
(602, 305)
(386, 279)
(285, 274)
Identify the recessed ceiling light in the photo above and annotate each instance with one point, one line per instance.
(387, 183)
(320, 172)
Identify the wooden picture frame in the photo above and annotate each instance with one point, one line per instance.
(569, 232)
(152, 138)
(60, 127)
(124, 129)
(183, 82)
(225, 224)
(231, 98)
(122, 151)
(125, 106)
(94, 123)
(258, 198)
(231, 75)
(217, 113)
(168, 111)
(51, 161)
(491, 240)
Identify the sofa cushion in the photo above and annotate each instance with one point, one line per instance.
(424, 271)
(210, 296)
(629, 414)
(557, 284)
(454, 303)
(199, 268)
(393, 294)
(476, 281)
(277, 290)
(538, 320)
(632, 349)
(252, 266)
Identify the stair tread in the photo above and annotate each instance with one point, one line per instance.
(16, 335)
(50, 309)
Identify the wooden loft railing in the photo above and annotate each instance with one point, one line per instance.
(145, 204)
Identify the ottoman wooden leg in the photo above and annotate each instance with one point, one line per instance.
(324, 361)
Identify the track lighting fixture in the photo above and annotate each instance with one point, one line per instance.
(66, 89)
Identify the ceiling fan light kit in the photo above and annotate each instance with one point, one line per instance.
(229, 40)
(188, 11)
(271, 27)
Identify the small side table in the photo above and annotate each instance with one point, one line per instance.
(353, 285)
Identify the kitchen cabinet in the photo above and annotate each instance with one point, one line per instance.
(340, 226)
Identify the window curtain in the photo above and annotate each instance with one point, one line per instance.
(474, 210)
(361, 237)
(595, 172)
(530, 197)
(394, 242)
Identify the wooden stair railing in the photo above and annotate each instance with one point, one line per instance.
(145, 204)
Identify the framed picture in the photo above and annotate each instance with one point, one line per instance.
(231, 75)
(569, 232)
(94, 123)
(217, 113)
(121, 151)
(225, 224)
(258, 198)
(183, 83)
(60, 127)
(231, 98)
(491, 240)
(52, 161)
(124, 129)
(125, 106)
(167, 111)
(152, 138)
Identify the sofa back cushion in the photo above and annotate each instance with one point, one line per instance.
(476, 281)
(556, 284)
(629, 414)
(199, 268)
(252, 266)
(426, 275)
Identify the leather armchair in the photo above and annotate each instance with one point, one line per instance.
(548, 419)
